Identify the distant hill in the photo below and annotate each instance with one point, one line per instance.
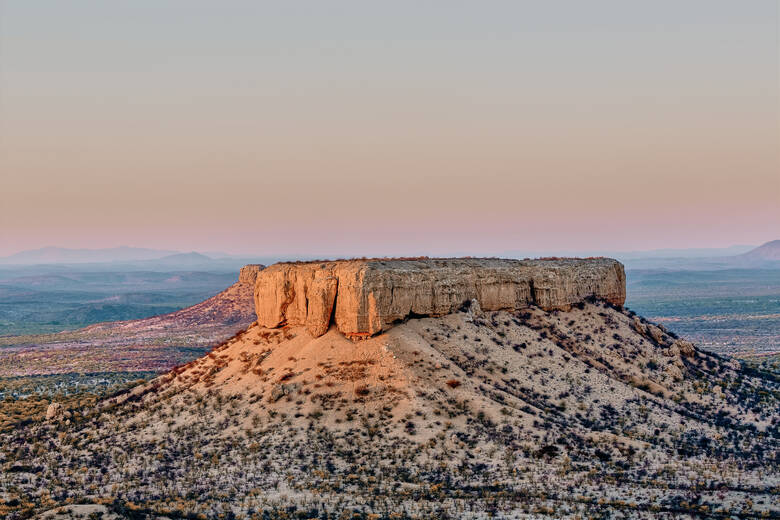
(766, 252)
(766, 256)
(120, 259)
(63, 255)
(183, 259)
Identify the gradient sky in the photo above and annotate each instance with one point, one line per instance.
(393, 128)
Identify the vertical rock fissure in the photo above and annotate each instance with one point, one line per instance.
(306, 291)
(289, 298)
(332, 316)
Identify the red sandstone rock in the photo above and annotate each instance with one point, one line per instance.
(365, 297)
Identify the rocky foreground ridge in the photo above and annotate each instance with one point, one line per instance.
(365, 297)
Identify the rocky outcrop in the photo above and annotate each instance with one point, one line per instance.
(365, 297)
(279, 391)
(674, 372)
(656, 334)
(685, 348)
(638, 326)
(54, 411)
(248, 273)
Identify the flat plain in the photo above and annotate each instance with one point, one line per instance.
(727, 311)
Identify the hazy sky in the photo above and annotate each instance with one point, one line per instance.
(389, 127)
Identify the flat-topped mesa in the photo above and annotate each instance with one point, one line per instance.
(365, 297)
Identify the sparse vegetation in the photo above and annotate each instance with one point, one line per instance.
(562, 416)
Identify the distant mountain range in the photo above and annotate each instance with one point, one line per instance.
(62, 255)
(766, 256)
(127, 258)
(738, 256)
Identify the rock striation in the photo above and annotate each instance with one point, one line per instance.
(365, 297)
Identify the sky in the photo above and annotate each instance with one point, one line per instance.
(389, 128)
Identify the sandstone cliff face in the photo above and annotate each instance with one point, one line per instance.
(248, 273)
(365, 297)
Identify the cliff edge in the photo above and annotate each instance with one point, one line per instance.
(248, 274)
(365, 297)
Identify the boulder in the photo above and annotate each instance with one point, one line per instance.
(365, 297)
(638, 326)
(674, 372)
(673, 351)
(279, 391)
(472, 308)
(685, 348)
(54, 411)
(656, 334)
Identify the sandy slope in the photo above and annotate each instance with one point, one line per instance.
(531, 412)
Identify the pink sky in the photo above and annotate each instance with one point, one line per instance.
(358, 129)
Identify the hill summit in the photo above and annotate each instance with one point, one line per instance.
(425, 388)
(769, 251)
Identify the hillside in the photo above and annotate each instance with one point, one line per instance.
(150, 344)
(532, 397)
(767, 252)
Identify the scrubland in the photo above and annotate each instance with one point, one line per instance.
(587, 413)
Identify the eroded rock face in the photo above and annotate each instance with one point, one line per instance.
(248, 273)
(365, 297)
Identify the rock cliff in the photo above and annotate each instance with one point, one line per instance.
(248, 273)
(365, 297)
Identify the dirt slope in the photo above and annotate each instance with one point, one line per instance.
(589, 411)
